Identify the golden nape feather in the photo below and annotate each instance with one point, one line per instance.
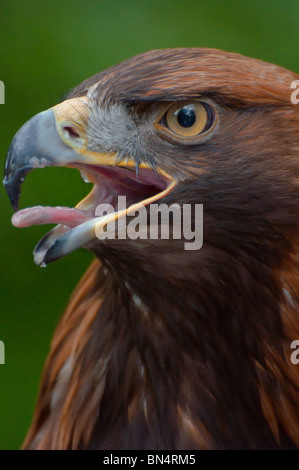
(169, 343)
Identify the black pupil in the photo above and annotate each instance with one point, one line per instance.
(186, 116)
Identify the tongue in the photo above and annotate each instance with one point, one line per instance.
(39, 215)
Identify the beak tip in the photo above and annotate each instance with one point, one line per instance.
(13, 194)
(13, 185)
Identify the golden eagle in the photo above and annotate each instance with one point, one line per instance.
(163, 347)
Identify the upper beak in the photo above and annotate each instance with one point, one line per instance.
(56, 137)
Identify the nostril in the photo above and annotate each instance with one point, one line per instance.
(71, 132)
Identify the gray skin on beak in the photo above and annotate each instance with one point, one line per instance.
(36, 145)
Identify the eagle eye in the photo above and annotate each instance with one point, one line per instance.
(187, 120)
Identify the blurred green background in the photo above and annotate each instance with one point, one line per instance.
(46, 48)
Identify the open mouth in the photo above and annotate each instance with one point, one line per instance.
(80, 225)
(109, 184)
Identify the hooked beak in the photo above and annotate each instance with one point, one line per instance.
(58, 137)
